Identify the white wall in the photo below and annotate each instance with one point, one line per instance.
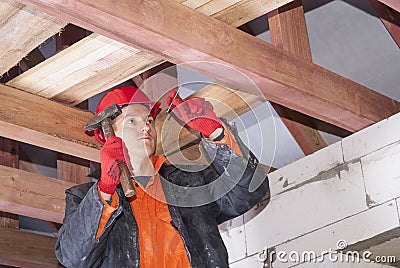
(347, 191)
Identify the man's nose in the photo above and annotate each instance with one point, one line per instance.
(146, 126)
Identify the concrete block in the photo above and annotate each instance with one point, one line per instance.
(325, 199)
(382, 174)
(371, 138)
(233, 235)
(249, 262)
(290, 176)
(359, 227)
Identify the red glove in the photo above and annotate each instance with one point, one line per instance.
(197, 113)
(111, 156)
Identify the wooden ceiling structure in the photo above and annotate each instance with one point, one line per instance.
(130, 39)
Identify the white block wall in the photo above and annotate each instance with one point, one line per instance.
(348, 191)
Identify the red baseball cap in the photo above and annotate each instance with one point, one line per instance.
(124, 96)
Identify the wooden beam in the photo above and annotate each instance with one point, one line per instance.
(9, 158)
(23, 249)
(35, 120)
(395, 4)
(71, 85)
(390, 18)
(32, 195)
(288, 31)
(282, 77)
(22, 29)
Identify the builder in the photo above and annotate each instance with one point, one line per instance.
(172, 220)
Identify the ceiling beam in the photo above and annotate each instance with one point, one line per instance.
(395, 4)
(288, 31)
(32, 195)
(282, 78)
(23, 249)
(36, 120)
(9, 157)
(86, 74)
(22, 29)
(390, 18)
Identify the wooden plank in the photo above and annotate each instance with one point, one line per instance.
(32, 195)
(289, 32)
(22, 29)
(70, 168)
(9, 158)
(57, 127)
(23, 249)
(84, 69)
(390, 18)
(395, 4)
(247, 10)
(282, 77)
(216, 6)
(74, 86)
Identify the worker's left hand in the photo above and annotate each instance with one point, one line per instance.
(197, 113)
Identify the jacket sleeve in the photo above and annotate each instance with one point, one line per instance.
(241, 182)
(77, 245)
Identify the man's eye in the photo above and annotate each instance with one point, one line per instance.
(150, 121)
(131, 121)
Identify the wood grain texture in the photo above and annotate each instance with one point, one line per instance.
(73, 85)
(35, 120)
(289, 32)
(23, 249)
(9, 157)
(390, 18)
(282, 77)
(247, 10)
(22, 29)
(32, 195)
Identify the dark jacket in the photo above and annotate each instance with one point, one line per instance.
(197, 200)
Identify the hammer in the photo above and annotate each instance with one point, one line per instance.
(104, 120)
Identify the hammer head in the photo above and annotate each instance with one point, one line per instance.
(111, 112)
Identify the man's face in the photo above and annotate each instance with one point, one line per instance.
(137, 129)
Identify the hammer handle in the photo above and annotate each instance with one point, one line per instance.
(125, 174)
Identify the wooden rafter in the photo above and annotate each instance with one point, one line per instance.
(32, 195)
(9, 157)
(88, 74)
(23, 249)
(288, 31)
(57, 127)
(283, 78)
(390, 18)
(22, 29)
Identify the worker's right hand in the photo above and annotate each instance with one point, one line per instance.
(111, 156)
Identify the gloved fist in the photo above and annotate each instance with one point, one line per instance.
(197, 113)
(111, 156)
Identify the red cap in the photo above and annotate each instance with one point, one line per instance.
(123, 96)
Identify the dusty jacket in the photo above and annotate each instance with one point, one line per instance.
(228, 183)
